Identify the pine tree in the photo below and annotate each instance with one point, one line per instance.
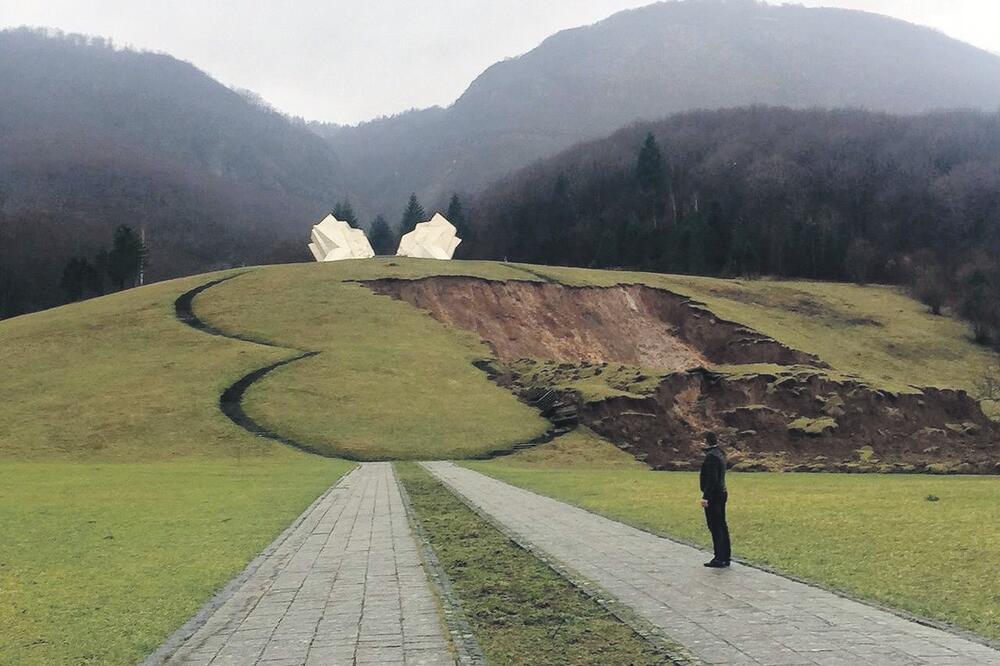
(649, 168)
(456, 215)
(72, 279)
(344, 212)
(380, 236)
(127, 256)
(79, 277)
(412, 216)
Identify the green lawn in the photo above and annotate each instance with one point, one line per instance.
(100, 563)
(390, 383)
(873, 536)
(117, 382)
(126, 497)
(520, 610)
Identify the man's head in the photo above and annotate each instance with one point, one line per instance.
(711, 440)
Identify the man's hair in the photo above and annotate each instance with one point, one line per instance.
(711, 438)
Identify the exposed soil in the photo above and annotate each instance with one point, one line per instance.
(793, 420)
(805, 422)
(629, 324)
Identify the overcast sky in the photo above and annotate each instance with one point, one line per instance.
(351, 60)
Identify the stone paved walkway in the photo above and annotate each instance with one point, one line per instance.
(737, 616)
(346, 587)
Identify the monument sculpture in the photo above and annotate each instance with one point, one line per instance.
(333, 240)
(434, 239)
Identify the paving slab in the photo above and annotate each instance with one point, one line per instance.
(740, 615)
(345, 586)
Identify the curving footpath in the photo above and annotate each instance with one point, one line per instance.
(231, 400)
(742, 615)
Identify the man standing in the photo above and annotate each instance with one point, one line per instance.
(713, 499)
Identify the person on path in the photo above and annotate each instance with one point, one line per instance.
(713, 499)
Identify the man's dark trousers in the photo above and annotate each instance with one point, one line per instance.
(715, 515)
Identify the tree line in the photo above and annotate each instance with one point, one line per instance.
(120, 266)
(384, 238)
(827, 195)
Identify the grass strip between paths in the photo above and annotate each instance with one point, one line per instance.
(521, 611)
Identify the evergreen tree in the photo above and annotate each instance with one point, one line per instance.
(860, 260)
(456, 215)
(651, 174)
(979, 305)
(127, 256)
(380, 236)
(79, 277)
(412, 216)
(102, 262)
(72, 280)
(607, 250)
(554, 237)
(344, 212)
(742, 259)
(649, 169)
(697, 243)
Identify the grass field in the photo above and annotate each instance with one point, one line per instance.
(873, 536)
(520, 610)
(110, 414)
(120, 379)
(99, 563)
(390, 383)
(126, 498)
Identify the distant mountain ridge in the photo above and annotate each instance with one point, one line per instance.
(648, 63)
(92, 137)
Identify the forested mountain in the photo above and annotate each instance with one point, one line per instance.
(650, 62)
(92, 137)
(838, 195)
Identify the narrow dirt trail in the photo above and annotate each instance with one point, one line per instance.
(231, 399)
(740, 615)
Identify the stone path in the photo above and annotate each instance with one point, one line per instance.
(345, 587)
(737, 616)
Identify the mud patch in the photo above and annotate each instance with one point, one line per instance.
(628, 324)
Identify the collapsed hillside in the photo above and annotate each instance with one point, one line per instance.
(652, 370)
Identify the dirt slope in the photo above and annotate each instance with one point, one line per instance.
(797, 416)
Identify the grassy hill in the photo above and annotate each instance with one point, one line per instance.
(131, 497)
(120, 379)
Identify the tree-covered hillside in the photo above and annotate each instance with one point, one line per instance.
(647, 63)
(835, 195)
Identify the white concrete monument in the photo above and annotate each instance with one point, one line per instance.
(333, 240)
(435, 239)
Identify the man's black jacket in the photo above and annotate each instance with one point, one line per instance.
(713, 474)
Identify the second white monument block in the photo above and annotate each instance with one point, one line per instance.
(435, 239)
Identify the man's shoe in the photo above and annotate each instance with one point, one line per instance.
(716, 564)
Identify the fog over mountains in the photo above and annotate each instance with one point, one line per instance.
(651, 62)
(92, 137)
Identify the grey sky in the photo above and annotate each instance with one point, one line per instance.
(346, 61)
